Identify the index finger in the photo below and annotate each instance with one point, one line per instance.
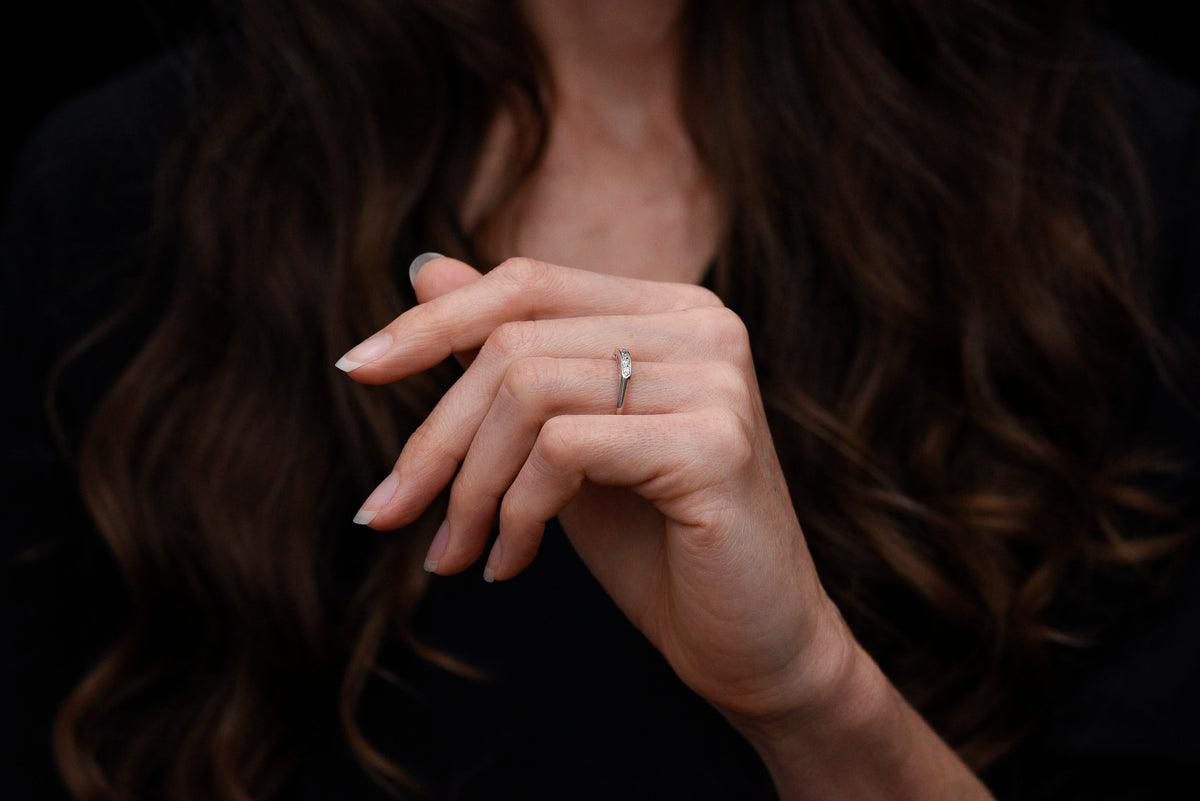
(519, 289)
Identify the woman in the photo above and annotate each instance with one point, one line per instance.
(866, 494)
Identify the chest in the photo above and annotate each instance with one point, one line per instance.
(648, 212)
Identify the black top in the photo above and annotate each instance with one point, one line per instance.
(580, 705)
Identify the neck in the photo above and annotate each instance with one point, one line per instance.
(612, 63)
(619, 187)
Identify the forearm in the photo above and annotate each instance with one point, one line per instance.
(863, 741)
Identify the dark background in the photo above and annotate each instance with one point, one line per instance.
(54, 51)
(60, 50)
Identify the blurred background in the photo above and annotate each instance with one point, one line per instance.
(60, 50)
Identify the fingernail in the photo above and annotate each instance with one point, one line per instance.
(418, 263)
(493, 563)
(437, 547)
(376, 500)
(367, 351)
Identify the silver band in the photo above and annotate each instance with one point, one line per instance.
(625, 364)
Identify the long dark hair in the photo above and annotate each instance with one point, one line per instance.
(923, 240)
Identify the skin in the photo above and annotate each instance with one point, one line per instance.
(620, 189)
(678, 506)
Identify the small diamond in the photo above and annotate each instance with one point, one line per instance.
(626, 364)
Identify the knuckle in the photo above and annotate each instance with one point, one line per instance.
(555, 442)
(529, 380)
(728, 325)
(425, 442)
(523, 271)
(730, 439)
(462, 491)
(726, 330)
(471, 492)
(729, 386)
(509, 339)
(421, 437)
(514, 513)
(701, 297)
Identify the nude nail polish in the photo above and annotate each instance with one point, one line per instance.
(493, 562)
(437, 547)
(377, 499)
(366, 351)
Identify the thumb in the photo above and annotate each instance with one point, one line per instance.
(434, 275)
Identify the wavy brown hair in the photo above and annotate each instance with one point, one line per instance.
(924, 242)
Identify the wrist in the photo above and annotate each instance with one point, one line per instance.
(851, 735)
(837, 690)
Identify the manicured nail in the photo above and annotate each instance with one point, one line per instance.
(376, 500)
(437, 547)
(367, 351)
(418, 263)
(493, 563)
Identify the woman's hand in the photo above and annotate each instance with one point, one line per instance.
(678, 506)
